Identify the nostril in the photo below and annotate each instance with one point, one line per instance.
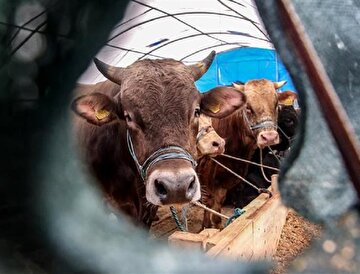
(215, 144)
(191, 189)
(268, 137)
(263, 137)
(192, 184)
(160, 188)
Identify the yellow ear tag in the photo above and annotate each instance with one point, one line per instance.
(101, 114)
(215, 108)
(288, 102)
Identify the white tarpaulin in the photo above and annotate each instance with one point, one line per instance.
(184, 30)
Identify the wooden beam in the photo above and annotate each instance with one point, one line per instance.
(238, 226)
(254, 236)
(191, 240)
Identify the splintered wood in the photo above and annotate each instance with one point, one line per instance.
(253, 236)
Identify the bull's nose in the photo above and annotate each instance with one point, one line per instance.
(175, 191)
(173, 187)
(219, 144)
(268, 138)
(218, 147)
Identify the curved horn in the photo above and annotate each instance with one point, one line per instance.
(240, 87)
(110, 72)
(200, 68)
(279, 84)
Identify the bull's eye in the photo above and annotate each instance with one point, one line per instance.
(197, 112)
(289, 121)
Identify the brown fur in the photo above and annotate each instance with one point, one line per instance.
(155, 100)
(161, 96)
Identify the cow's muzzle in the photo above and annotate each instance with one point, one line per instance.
(267, 138)
(174, 182)
(209, 143)
(173, 185)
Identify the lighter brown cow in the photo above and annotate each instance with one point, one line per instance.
(244, 131)
(208, 142)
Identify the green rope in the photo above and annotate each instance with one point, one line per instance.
(174, 215)
(237, 213)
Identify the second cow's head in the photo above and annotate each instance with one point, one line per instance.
(261, 110)
(161, 107)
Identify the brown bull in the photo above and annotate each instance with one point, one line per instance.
(244, 131)
(138, 131)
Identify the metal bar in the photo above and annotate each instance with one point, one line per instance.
(175, 14)
(194, 35)
(255, 24)
(27, 22)
(176, 18)
(211, 47)
(27, 38)
(329, 102)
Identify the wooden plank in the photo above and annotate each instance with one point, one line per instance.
(274, 188)
(267, 231)
(229, 233)
(225, 246)
(191, 240)
(187, 240)
(209, 232)
(254, 237)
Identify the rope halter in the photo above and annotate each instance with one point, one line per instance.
(267, 123)
(290, 139)
(202, 132)
(264, 124)
(165, 153)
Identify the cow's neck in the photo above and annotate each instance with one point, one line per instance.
(240, 140)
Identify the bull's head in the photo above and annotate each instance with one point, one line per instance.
(261, 109)
(161, 107)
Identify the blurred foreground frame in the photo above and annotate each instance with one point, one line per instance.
(314, 180)
(52, 220)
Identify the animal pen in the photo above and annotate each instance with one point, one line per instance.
(52, 213)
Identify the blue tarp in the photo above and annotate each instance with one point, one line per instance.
(244, 64)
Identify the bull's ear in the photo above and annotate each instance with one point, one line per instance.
(222, 101)
(286, 97)
(96, 108)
